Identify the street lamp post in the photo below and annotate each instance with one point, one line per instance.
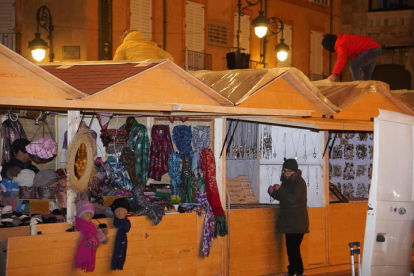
(38, 46)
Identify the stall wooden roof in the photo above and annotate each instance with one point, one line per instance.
(22, 81)
(153, 87)
(284, 88)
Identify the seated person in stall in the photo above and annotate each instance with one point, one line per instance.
(363, 50)
(20, 159)
(135, 47)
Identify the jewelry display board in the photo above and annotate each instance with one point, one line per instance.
(277, 143)
(350, 163)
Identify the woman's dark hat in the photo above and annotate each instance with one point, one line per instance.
(290, 164)
(328, 42)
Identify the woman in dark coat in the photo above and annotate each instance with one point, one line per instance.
(293, 217)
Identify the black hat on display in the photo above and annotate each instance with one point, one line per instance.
(290, 164)
(328, 42)
(20, 144)
(120, 203)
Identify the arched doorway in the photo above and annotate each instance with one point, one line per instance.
(395, 75)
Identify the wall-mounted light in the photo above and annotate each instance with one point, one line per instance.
(38, 46)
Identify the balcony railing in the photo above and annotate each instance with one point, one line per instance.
(195, 61)
(11, 40)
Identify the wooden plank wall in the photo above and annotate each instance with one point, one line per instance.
(172, 247)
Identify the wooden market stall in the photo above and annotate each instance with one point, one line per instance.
(157, 89)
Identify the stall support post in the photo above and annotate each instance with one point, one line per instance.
(74, 119)
(219, 136)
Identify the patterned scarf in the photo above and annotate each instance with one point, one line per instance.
(121, 243)
(209, 222)
(174, 172)
(85, 256)
(182, 140)
(161, 147)
(186, 175)
(208, 167)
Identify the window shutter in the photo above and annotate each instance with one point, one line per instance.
(141, 17)
(7, 16)
(287, 35)
(316, 56)
(194, 26)
(244, 32)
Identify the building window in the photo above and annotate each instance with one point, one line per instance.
(389, 5)
(244, 32)
(316, 56)
(320, 2)
(141, 17)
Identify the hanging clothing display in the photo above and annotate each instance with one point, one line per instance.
(209, 223)
(12, 130)
(174, 173)
(128, 159)
(186, 175)
(182, 140)
(201, 140)
(208, 167)
(139, 142)
(122, 179)
(161, 147)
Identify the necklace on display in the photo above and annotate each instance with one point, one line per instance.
(269, 179)
(242, 143)
(314, 144)
(305, 156)
(317, 182)
(254, 148)
(275, 144)
(284, 141)
(268, 142)
(308, 179)
(249, 140)
(295, 146)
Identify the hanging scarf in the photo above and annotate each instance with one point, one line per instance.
(209, 223)
(186, 175)
(122, 179)
(85, 256)
(128, 159)
(194, 185)
(139, 142)
(121, 243)
(12, 130)
(174, 172)
(208, 167)
(161, 147)
(200, 141)
(182, 140)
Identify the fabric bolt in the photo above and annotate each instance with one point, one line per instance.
(209, 223)
(186, 175)
(121, 243)
(174, 172)
(86, 253)
(161, 147)
(122, 179)
(182, 139)
(11, 130)
(139, 142)
(208, 167)
(144, 208)
(25, 178)
(128, 159)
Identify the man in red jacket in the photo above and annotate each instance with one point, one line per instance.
(363, 50)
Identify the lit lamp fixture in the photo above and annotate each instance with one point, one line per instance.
(282, 50)
(38, 45)
(260, 24)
